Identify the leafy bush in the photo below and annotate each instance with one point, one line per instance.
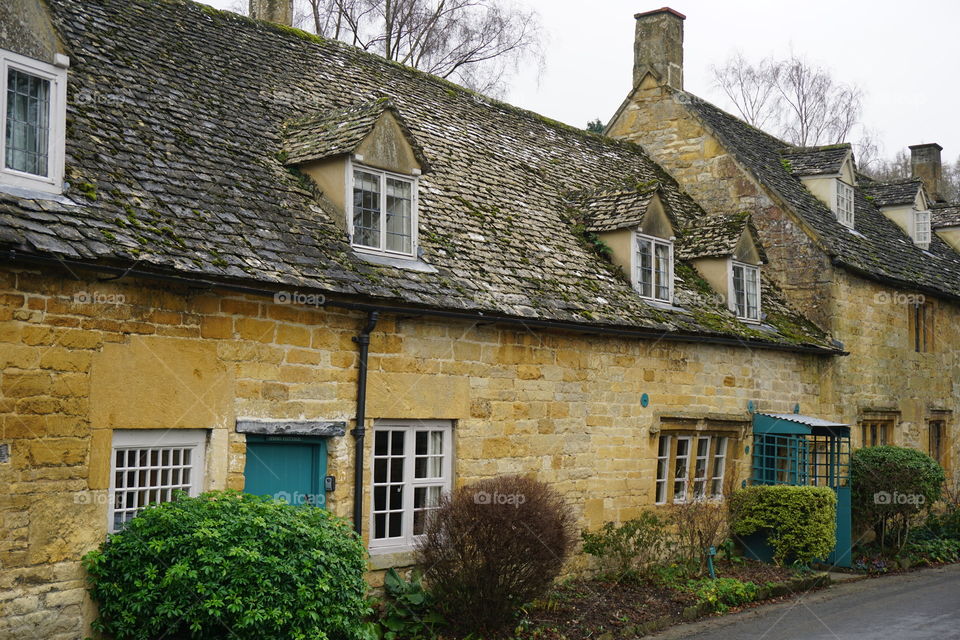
(890, 485)
(722, 593)
(932, 551)
(492, 547)
(228, 563)
(410, 611)
(632, 547)
(800, 521)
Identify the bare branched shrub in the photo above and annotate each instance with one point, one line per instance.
(492, 547)
(700, 524)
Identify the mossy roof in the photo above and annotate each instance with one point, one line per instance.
(183, 170)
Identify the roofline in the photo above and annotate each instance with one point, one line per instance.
(12, 256)
(660, 10)
(837, 261)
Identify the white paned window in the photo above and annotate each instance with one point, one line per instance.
(384, 212)
(691, 467)
(681, 469)
(746, 291)
(921, 228)
(844, 204)
(701, 467)
(149, 466)
(654, 268)
(663, 464)
(411, 471)
(719, 467)
(33, 111)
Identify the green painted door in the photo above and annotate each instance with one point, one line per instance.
(291, 469)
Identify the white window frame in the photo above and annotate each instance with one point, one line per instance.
(663, 468)
(56, 75)
(719, 467)
(844, 193)
(635, 259)
(407, 540)
(731, 287)
(685, 478)
(715, 470)
(921, 227)
(193, 439)
(414, 180)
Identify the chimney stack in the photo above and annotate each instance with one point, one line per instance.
(277, 11)
(925, 164)
(658, 47)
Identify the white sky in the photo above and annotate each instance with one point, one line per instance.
(904, 55)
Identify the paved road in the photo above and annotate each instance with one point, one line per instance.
(917, 606)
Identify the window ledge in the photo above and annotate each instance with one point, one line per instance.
(389, 558)
(28, 193)
(410, 264)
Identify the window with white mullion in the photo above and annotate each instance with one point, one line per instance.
(411, 471)
(719, 467)
(845, 204)
(700, 468)
(383, 211)
(921, 227)
(746, 291)
(681, 473)
(654, 268)
(663, 466)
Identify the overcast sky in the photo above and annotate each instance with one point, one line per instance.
(904, 55)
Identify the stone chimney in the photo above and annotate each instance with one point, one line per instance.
(658, 47)
(277, 11)
(925, 164)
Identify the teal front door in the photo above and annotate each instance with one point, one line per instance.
(287, 468)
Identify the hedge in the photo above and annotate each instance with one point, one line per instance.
(800, 522)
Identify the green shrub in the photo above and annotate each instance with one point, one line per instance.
(632, 547)
(492, 547)
(889, 486)
(932, 551)
(231, 564)
(722, 593)
(800, 522)
(410, 612)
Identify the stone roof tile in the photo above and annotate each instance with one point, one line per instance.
(182, 171)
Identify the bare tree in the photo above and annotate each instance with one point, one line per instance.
(477, 43)
(791, 98)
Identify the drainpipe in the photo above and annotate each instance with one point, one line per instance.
(360, 430)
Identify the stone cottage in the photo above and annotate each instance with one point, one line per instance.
(236, 255)
(874, 264)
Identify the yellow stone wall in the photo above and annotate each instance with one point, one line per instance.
(79, 358)
(883, 375)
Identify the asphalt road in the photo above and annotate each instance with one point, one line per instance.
(916, 606)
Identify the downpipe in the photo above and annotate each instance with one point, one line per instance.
(359, 431)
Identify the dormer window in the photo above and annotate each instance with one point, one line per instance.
(844, 204)
(33, 111)
(921, 228)
(654, 277)
(384, 212)
(746, 291)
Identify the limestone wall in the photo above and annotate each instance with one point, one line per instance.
(80, 358)
(884, 377)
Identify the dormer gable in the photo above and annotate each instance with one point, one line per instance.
(946, 223)
(905, 203)
(829, 173)
(726, 252)
(639, 229)
(366, 162)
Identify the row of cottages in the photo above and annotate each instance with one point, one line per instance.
(236, 255)
(874, 264)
